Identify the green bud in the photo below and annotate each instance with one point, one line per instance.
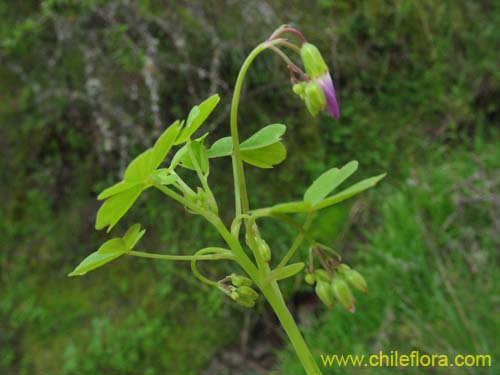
(322, 275)
(264, 250)
(310, 279)
(324, 292)
(246, 291)
(315, 98)
(246, 301)
(239, 280)
(299, 88)
(342, 292)
(313, 62)
(357, 281)
(235, 296)
(343, 268)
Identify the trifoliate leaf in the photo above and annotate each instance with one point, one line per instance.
(264, 137)
(222, 147)
(117, 188)
(328, 181)
(132, 236)
(141, 167)
(196, 117)
(265, 157)
(113, 209)
(108, 251)
(349, 192)
(165, 143)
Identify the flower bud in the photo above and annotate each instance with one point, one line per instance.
(264, 250)
(246, 302)
(324, 293)
(315, 98)
(342, 292)
(322, 275)
(343, 268)
(310, 278)
(239, 280)
(299, 89)
(356, 280)
(246, 291)
(313, 62)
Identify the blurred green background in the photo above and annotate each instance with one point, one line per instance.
(86, 85)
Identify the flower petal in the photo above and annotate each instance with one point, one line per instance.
(326, 83)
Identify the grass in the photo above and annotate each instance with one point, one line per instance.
(430, 264)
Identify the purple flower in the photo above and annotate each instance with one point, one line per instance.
(326, 83)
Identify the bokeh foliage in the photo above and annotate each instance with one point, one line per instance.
(86, 85)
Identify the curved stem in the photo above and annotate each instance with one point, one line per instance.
(201, 253)
(240, 187)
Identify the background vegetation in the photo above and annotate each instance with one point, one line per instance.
(86, 85)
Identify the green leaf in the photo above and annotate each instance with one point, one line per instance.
(108, 251)
(222, 147)
(265, 157)
(113, 209)
(141, 167)
(264, 137)
(132, 236)
(291, 207)
(288, 271)
(197, 116)
(328, 181)
(183, 158)
(165, 143)
(349, 192)
(116, 188)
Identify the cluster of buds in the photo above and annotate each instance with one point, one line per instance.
(315, 86)
(258, 245)
(205, 200)
(240, 291)
(335, 284)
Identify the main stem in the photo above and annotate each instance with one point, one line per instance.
(270, 290)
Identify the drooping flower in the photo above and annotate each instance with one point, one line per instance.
(318, 73)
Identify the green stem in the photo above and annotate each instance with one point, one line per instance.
(260, 275)
(298, 241)
(201, 253)
(226, 255)
(273, 295)
(240, 187)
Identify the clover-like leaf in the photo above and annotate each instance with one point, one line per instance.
(265, 157)
(141, 167)
(132, 236)
(196, 117)
(288, 271)
(350, 191)
(221, 147)
(328, 181)
(263, 149)
(264, 137)
(110, 250)
(117, 188)
(113, 209)
(165, 142)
